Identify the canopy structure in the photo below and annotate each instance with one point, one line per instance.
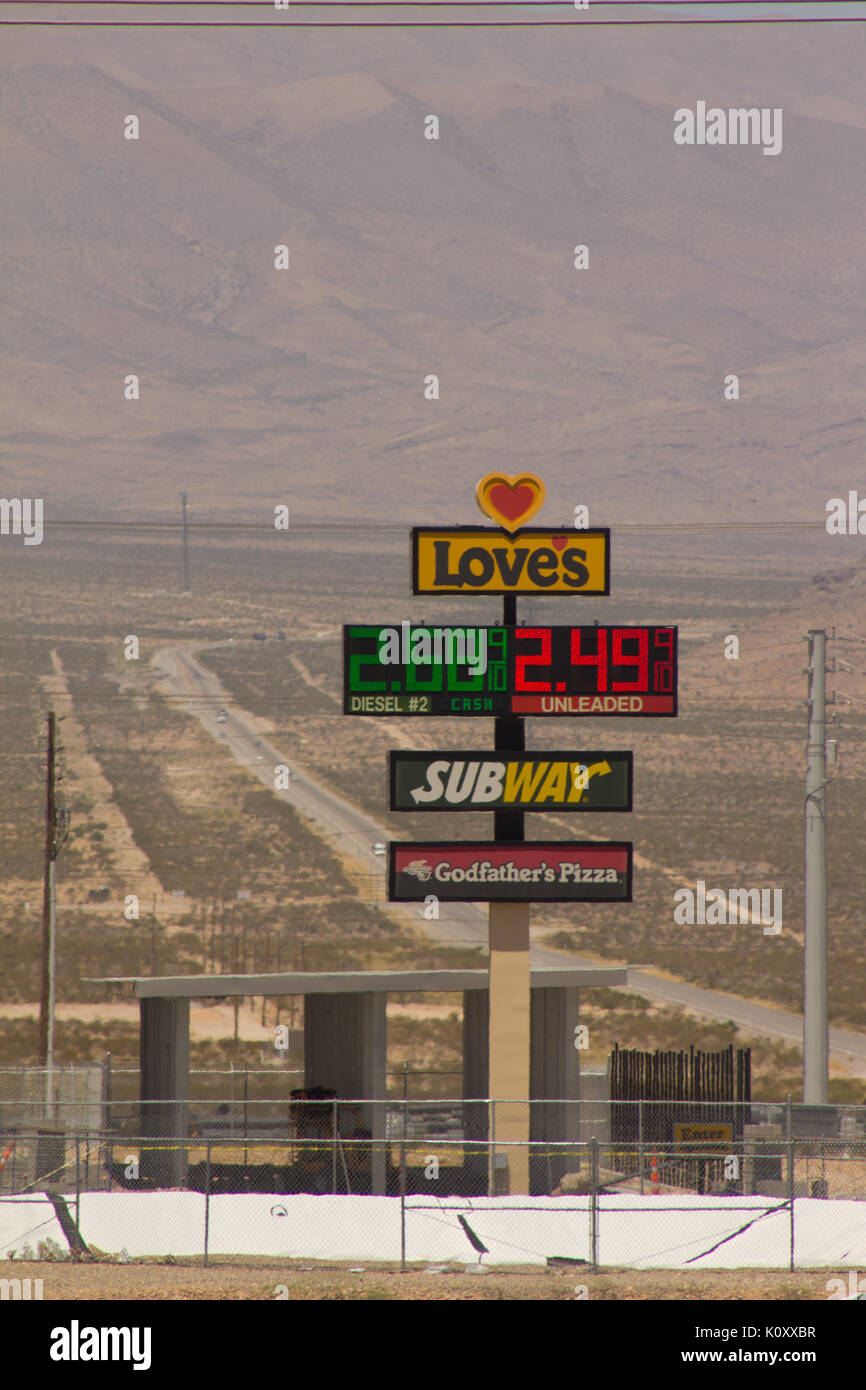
(345, 1037)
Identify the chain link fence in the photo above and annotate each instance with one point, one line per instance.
(426, 1180)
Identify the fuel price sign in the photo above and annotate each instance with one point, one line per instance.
(487, 671)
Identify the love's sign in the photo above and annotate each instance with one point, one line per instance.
(481, 560)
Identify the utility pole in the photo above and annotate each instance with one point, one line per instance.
(185, 545)
(153, 938)
(279, 966)
(56, 830)
(46, 998)
(816, 1043)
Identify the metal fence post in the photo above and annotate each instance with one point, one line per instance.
(206, 1202)
(108, 1113)
(334, 1147)
(491, 1148)
(640, 1142)
(403, 1173)
(77, 1180)
(593, 1204)
(246, 1098)
(789, 1127)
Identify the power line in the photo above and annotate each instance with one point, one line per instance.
(428, 4)
(354, 527)
(578, 22)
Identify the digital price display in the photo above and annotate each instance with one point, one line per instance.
(486, 671)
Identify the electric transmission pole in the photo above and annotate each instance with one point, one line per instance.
(816, 1043)
(56, 829)
(46, 1000)
(185, 545)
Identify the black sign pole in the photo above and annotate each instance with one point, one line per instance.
(509, 737)
(509, 989)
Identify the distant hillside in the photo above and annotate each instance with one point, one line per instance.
(410, 257)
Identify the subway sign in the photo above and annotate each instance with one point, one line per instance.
(555, 871)
(486, 671)
(483, 560)
(460, 781)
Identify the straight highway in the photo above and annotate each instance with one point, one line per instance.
(353, 833)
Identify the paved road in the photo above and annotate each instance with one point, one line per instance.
(354, 833)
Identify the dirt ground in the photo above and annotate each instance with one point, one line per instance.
(274, 1280)
(207, 1022)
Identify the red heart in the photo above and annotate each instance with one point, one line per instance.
(560, 542)
(519, 498)
(512, 501)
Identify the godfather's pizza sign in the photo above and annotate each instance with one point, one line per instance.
(548, 871)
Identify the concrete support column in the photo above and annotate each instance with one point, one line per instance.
(476, 1089)
(476, 1062)
(345, 1050)
(509, 1038)
(164, 1063)
(554, 1079)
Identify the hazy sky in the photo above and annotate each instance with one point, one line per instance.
(823, 7)
(807, 8)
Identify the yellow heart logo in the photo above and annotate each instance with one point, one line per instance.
(511, 502)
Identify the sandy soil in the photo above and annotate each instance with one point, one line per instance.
(207, 1023)
(261, 1279)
